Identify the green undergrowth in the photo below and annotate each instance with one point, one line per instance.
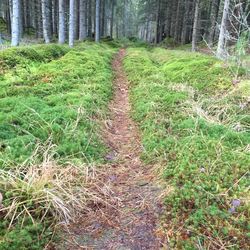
(196, 125)
(24, 57)
(52, 99)
(55, 103)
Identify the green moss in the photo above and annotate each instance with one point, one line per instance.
(24, 56)
(196, 126)
(29, 236)
(52, 100)
(56, 101)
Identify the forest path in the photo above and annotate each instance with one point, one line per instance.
(130, 219)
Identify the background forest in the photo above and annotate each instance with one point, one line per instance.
(155, 21)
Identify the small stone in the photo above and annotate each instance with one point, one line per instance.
(232, 210)
(112, 178)
(202, 170)
(236, 203)
(110, 156)
(142, 183)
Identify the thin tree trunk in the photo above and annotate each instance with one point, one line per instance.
(55, 17)
(195, 27)
(157, 21)
(71, 22)
(102, 17)
(89, 18)
(185, 23)
(61, 34)
(15, 36)
(213, 19)
(112, 19)
(169, 18)
(177, 21)
(21, 18)
(97, 21)
(46, 33)
(82, 20)
(8, 17)
(221, 50)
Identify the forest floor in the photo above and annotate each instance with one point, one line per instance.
(130, 220)
(121, 136)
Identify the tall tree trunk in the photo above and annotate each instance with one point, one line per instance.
(89, 18)
(55, 17)
(46, 32)
(71, 22)
(50, 18)
(15, 36)
(157, 21)
(213, 18)
(177, 21)
(10, 15)
(76, 25)
(82, 20)
(97, 21)
(21, 18)
(102, 17)
(112, 18)
(169, 18)
(61, 34)
(196, 24)
(173, 19)
(185, 23)
(221, 50)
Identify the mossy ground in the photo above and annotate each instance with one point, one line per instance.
(52, 99)
(54, 102)
(195, 125)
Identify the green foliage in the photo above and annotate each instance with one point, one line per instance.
(196, 125)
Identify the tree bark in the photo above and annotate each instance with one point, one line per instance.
(112, 19)
(15, 36)
(71, 22)
(82, 20)
(221, 49)
(195, 27)
(213, 18)
(157, 21)
(185, 23)
(97, 21)
(55, 17)
(46, 33)
(61, 33)
(89, 18)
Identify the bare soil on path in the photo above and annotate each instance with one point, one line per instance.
(129, 220)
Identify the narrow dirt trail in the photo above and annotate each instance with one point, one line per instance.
(130, 221)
